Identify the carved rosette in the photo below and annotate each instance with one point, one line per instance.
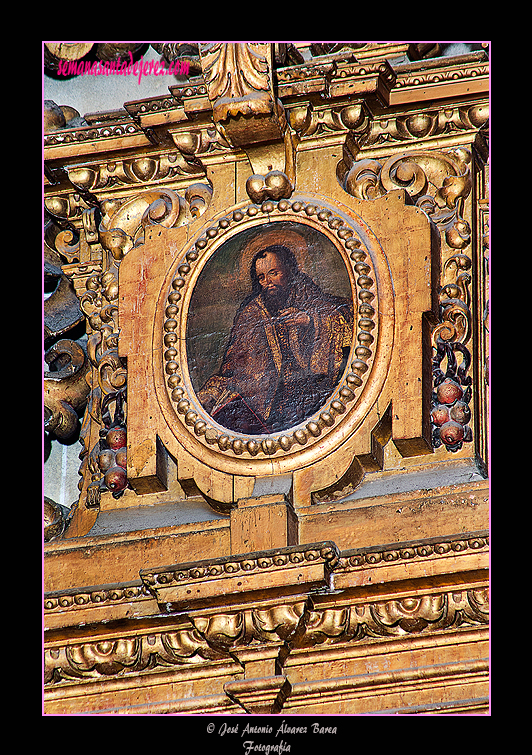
(352, 242)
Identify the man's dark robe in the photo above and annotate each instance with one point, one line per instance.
(273, 376)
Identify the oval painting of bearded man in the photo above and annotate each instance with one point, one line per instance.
(269, 328)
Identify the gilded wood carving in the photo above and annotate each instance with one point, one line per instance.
(169, 214)
(266, 318)
(198, 633)
(352, 262)
(219, 636)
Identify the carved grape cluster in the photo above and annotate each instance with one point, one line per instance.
(112, 459)
(450, 412)
(109, 456)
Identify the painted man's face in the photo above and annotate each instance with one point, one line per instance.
(272, 275)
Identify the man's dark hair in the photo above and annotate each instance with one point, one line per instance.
(285, 256)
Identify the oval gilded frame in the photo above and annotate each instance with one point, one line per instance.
(360, 385)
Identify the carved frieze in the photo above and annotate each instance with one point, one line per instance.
(218, 636)
(395, 618)
(285, 605)
(66, 141)
(432, 555)
(289, 627)
(432, 75)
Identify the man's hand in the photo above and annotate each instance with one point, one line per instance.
(294, 317)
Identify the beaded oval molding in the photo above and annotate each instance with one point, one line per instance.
(348, 240)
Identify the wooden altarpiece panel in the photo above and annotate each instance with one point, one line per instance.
(179, 294)
(276, 291)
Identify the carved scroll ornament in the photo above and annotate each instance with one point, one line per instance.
(439, 183)
(121, 228)
(65, 388)
(54, 520)
(123, 223)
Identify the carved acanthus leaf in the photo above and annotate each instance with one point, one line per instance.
(54, 520)
(439, 183)
(133, 171)
(65, 388)
(238, 78)
(396, 617)
(61, 310)
(106, 658)
(228, 631)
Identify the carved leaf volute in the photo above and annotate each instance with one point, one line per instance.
(237, 77)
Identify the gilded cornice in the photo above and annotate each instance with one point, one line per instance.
(96, 596)
(441, 78)
(331, 77)
(173, 138)
(248, 622)
(121, 133)
(429, 548)
(274, 570)
(403, 141)
(280, 631)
